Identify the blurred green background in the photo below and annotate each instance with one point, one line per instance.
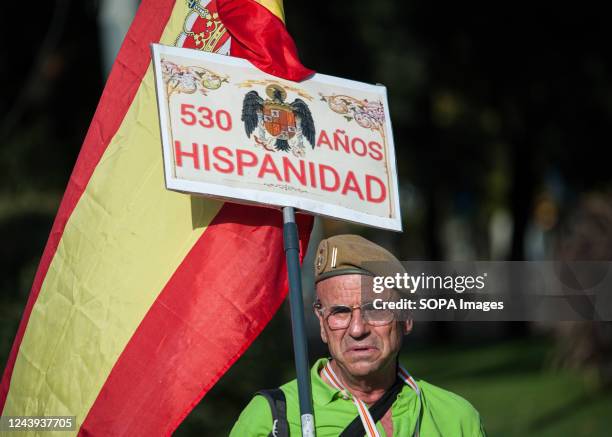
(501, 116)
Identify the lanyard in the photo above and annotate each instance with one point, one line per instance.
(362, 408)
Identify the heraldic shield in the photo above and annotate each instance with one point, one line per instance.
(279, 121)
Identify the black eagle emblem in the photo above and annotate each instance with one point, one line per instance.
(278, 125)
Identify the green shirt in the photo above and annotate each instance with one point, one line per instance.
(444, 413)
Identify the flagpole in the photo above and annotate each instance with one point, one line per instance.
(300, 346)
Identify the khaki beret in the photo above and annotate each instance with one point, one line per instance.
(353, 254)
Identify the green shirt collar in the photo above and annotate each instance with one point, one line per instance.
(323, 393)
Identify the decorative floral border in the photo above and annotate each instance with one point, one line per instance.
(188, 80)
(367, 114)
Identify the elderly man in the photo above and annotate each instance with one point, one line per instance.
(362, 389)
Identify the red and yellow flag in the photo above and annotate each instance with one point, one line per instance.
(144, 297)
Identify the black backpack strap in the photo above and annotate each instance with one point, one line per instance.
(278, 406)
(378, 410)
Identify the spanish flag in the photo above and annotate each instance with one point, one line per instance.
(144, 297)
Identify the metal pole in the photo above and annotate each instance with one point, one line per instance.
(300, 346)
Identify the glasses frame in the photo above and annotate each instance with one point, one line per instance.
(319, 308)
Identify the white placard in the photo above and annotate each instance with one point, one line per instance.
(231, 131)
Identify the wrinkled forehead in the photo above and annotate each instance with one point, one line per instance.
(350, 290)
(345, 289)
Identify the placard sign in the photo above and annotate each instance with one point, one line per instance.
(229, 130)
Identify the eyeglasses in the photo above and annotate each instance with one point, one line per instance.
(340, 316)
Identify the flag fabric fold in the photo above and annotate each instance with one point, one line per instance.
(264, 41)
(143, 298)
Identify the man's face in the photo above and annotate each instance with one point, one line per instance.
(360, 349)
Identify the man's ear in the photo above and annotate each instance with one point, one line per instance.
(407, 326)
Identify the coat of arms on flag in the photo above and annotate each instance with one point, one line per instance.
(203, 29)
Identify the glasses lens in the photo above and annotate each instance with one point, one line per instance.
(376, 317)
(339, 317)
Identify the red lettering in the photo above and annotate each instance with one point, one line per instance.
(222, 115)
(324, 139)
(375, 150)
(205, 157)
(324, 186)
(268, 166)
(363, 145)
(189, 117)
(222, 118)
(178, 153)
(313, 177)
(301, 176)
(206, 118)
(217, 154)
(350, 184)
(339, 135)
(241, 162)
(369, 189)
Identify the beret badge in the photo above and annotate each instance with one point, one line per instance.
(321, 260)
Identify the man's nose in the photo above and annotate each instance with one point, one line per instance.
(358, 327)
